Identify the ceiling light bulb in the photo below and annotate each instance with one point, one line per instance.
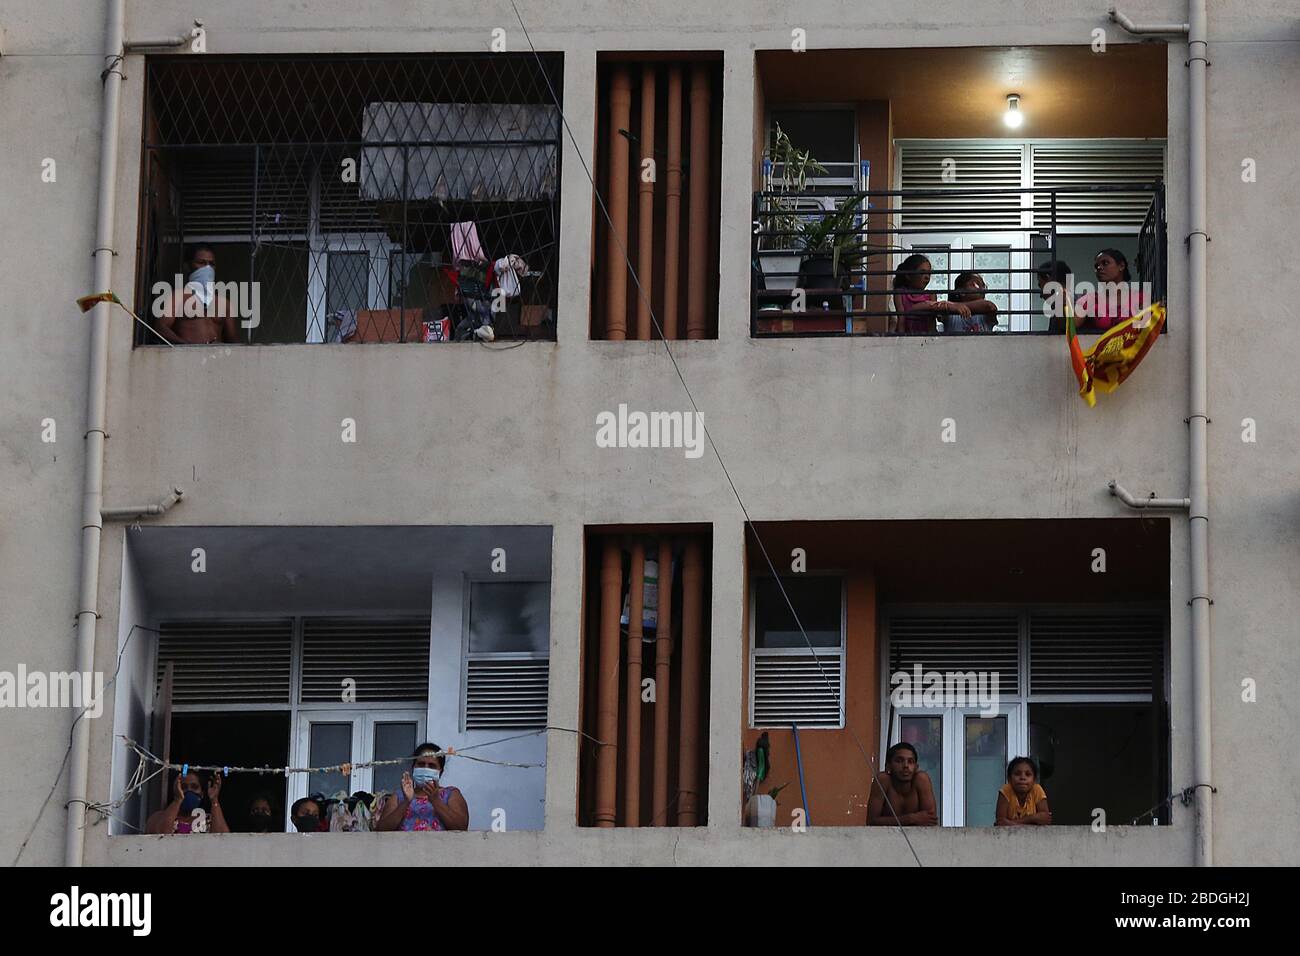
(1013, 117)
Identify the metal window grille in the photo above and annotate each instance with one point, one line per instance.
(335, 185)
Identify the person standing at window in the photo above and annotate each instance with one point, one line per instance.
(1058, 271)
(1021, 801)
(305, 814)
(201, 313)
(909, 789)
(423, 803)
(1116, 298)
(183, 814)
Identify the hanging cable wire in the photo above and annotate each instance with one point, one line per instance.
(636, 279)
(64, 764)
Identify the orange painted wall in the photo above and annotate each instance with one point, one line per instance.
(835, 771)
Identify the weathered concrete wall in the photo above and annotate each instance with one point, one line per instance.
(816, 430)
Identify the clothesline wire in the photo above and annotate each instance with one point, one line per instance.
(224, 769)
(649, 306)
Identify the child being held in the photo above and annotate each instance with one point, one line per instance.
(1021, 800)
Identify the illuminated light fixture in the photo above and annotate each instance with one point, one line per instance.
(1013, 117)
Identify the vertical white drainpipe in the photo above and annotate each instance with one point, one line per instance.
(1198, 503)
(96, 400)
(1198, 464)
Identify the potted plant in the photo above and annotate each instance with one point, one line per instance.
(814, 246)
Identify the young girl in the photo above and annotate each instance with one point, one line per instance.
(1021, 800)
(969, 289)
(916, 308)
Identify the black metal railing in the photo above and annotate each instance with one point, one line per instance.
(359, 198)
(826, 261)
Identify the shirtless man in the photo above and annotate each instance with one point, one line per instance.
(187, 319)
(911, 793)
(178, 816)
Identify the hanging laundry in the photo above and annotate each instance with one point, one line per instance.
(465, 242)
(340, 325)
(509, 270)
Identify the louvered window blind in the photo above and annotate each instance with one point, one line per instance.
(1095, 653)
(791, 682)
(984, 644)
(507, 667)
(228, 662)
(1084, 654)
(954, 166)
(251, 662)
(387, 658)
(1095, 164)
(239, 192)
(958, 165)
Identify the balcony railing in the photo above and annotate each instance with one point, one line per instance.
(825, 261)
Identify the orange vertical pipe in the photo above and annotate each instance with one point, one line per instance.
(673, 212)
(696, 256)
(620, 115)
(646, 197)
(632, 756)
(611, 589)
(663, 682)
(688, 753)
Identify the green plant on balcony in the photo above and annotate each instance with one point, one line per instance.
(806, 233)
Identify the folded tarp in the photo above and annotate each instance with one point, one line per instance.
(502, 152)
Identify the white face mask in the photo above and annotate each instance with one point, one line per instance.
(200, 283)
(423, 775)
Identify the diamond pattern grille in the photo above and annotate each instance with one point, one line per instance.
(335, 191)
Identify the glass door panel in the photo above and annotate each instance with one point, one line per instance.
(392, 740)
(984, 742)
(328, 743)
(925, 733)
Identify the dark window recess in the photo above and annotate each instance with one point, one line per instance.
(818, 602)
(369, 198)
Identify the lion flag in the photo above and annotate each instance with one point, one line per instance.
(1116, 354)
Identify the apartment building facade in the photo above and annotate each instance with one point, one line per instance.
(394, 525)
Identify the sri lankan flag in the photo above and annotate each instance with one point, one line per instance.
(88, 302)
(1116, 354)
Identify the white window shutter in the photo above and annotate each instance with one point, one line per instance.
(957, 166)
(798, 689)
(506, 692)
(388, 658)
(1095, 164)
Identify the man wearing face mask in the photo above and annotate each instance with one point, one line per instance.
(183, 814)
(200, 314)
(424, 804)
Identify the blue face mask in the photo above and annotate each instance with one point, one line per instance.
(425, 775)
(203, 275)
(190, 801)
